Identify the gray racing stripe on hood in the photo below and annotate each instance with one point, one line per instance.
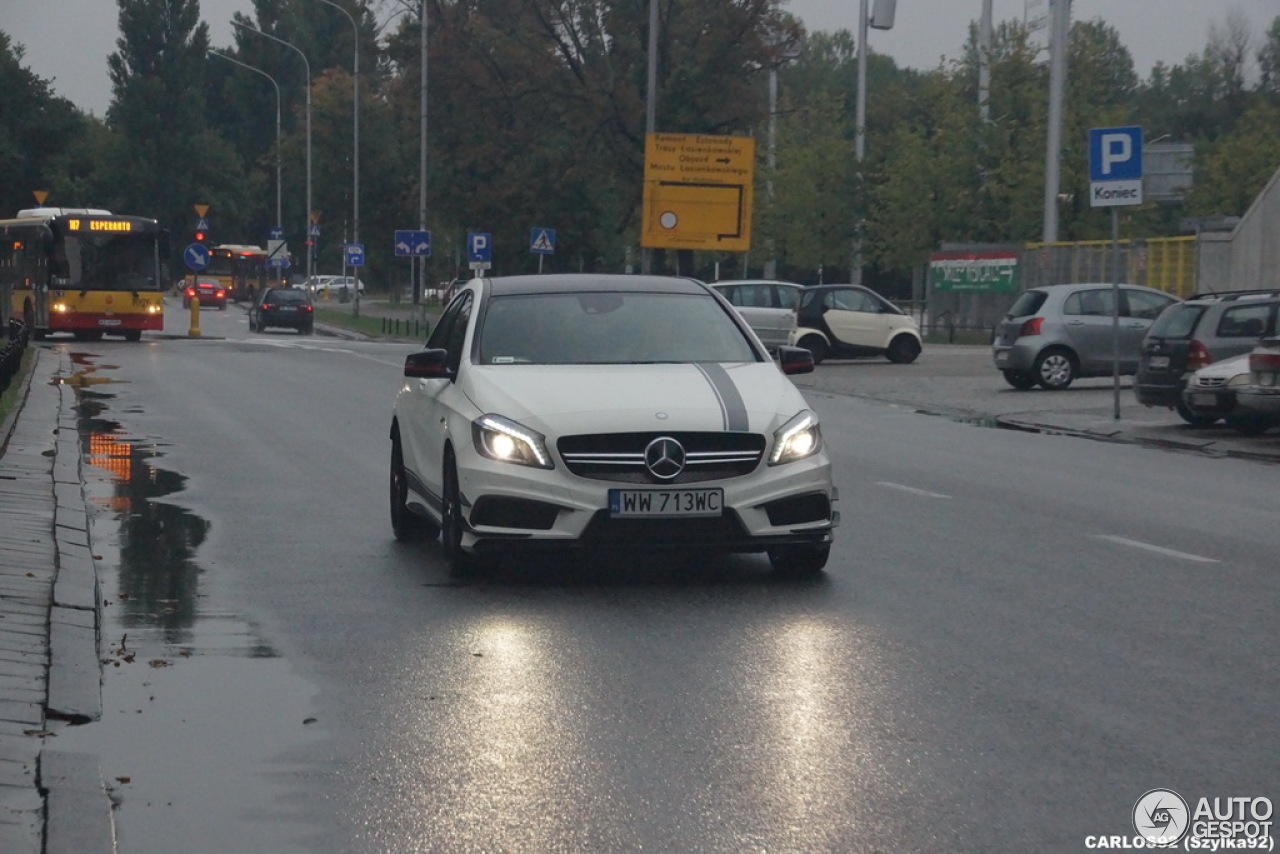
(731, 403)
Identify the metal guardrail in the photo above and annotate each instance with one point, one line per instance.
(15, 344)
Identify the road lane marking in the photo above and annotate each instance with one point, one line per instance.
(911, 489)
(1138, 544)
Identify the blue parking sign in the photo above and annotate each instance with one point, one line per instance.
(1115, 166)
(479, 250)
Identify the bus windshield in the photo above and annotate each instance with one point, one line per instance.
(108, 262)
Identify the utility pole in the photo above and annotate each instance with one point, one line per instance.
(1060, 23)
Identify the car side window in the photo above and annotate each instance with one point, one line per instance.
(451, 330)
(1244, 321)
(1092, 303)
(787, 298)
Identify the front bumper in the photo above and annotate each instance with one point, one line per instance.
(515, 508)
(1261, 399)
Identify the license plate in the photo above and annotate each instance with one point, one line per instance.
(288, 308)
(1158, 363)
(109, 322)
(1204, 399)
(653, 503)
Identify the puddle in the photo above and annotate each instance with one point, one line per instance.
(200, 714)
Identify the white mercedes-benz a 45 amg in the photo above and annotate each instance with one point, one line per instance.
(601, 412)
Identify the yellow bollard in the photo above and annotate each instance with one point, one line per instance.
(194, 331)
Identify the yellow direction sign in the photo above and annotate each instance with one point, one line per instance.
(697, 191)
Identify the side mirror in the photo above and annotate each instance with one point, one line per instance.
(795, 360)
(427, 365)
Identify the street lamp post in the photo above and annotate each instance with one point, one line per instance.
(279, 216)
(355, 146)
(307, 214)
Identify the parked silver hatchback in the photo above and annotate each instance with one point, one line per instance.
(768, 307)
(1056, 334)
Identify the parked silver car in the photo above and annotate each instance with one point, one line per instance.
(768, 307)
(1055, 334)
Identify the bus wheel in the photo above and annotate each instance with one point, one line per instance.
(133, 335)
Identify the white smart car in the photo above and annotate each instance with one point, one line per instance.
(607, 412)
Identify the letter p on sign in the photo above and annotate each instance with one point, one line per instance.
(1116, 148)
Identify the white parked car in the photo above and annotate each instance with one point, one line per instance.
(607, 412)
(769, 307)
(317, 284)
(1211, 394)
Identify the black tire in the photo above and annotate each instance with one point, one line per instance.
(815, 345)
(222, 306)
(799, 561)
(1251, 424)
(1193, 418)
(1056, 369)
(903, 350)
(405, 524)
(133, 335)
(451, 524)
(1021, 380)
(306, 330)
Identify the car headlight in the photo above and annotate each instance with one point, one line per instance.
(1239, 380)
(506, 441)
(799, 438)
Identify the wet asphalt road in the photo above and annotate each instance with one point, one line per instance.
(1019, 635)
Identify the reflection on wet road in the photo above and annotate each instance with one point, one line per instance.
(187, 717)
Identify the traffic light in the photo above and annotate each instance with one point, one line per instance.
(199, 236)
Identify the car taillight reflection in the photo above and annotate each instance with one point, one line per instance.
(1031, 327)
(1197, 356)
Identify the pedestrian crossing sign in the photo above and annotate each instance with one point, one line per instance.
(542, 241)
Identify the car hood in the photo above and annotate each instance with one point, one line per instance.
(1226, 368)
(567, 399)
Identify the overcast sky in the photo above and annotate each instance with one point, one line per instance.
(67, 41)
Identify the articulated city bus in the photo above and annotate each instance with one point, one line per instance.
(84, 271)
(241, 270)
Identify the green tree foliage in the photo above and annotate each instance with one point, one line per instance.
(164, 158)
(40, 138)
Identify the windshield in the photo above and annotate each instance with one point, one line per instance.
(610, 328)
(108, 262)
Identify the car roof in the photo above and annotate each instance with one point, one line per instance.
(1231, 296)
(582, 282)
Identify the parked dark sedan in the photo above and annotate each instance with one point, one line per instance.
(283, 307)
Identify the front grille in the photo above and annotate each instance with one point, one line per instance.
(1207, 383)
(799, 509)
(712, 532)
(619, 457)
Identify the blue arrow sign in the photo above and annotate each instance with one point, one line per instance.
(413, 243)
(542, 241)
(276, 233)
(196, 256)
(355, 254)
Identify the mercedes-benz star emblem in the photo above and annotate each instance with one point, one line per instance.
(664, 457)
